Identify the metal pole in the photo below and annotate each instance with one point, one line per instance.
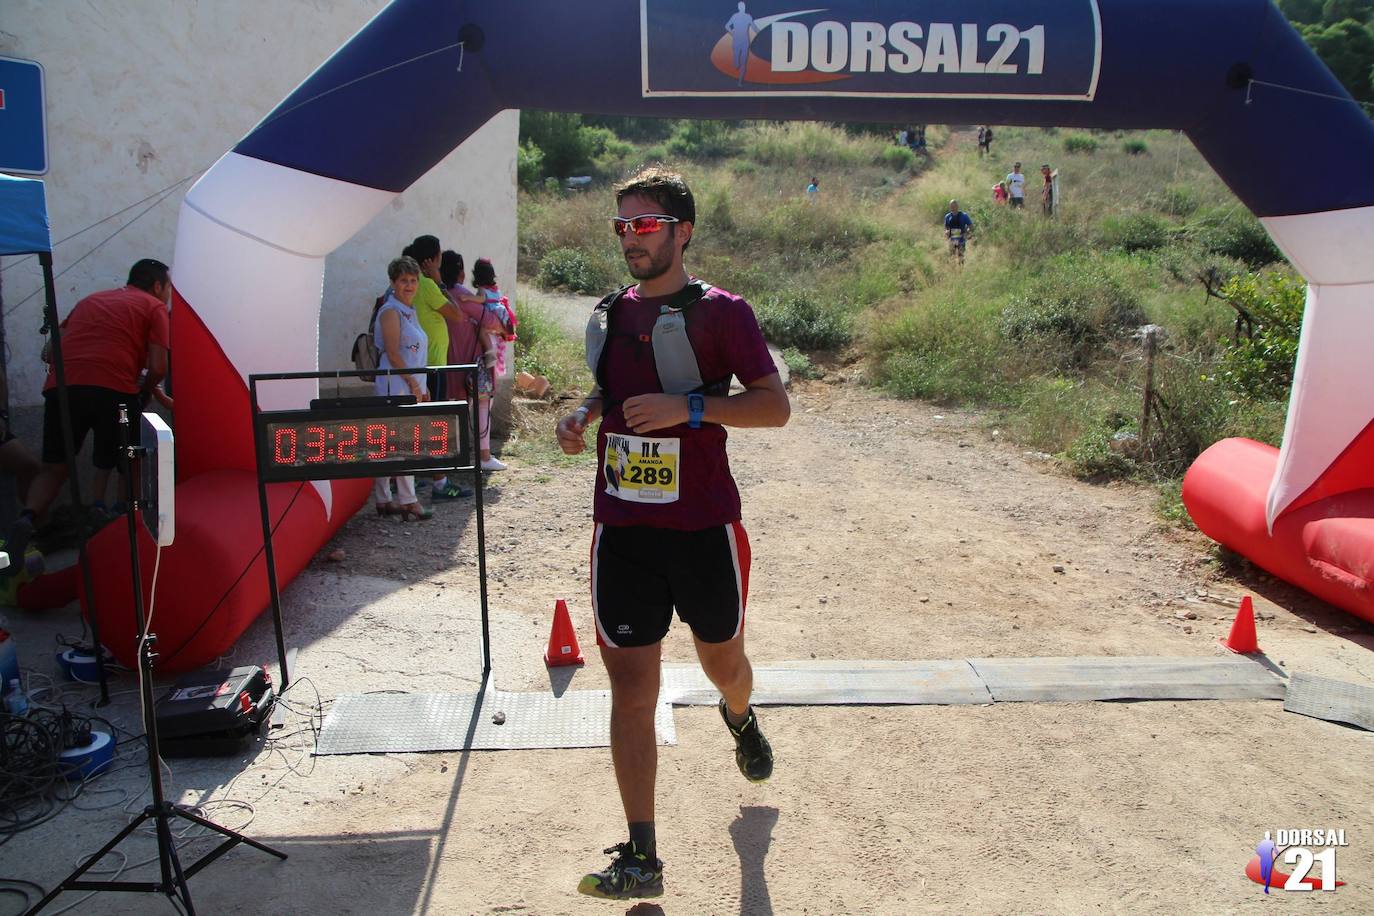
(146, 640)
(476, 452)
(69, 451)
(267, 547)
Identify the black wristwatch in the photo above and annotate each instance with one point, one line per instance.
(696, 409)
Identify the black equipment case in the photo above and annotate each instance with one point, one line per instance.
(214, 713)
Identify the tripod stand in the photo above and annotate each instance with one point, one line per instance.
(161, 812)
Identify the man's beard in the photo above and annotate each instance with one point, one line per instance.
(655, 266)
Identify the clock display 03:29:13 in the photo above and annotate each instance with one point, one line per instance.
(352, 441)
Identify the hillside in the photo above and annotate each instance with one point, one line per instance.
(1039, 328)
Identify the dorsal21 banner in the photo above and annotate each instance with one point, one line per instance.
(874, 48)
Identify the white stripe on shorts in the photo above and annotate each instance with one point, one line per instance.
(739, 580)
(596, 610)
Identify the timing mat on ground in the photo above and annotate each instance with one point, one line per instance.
(411, 722)
(374, 723)
(987, 680)
(1332, 700)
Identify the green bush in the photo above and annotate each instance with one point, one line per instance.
(544, 348)
(799, 364)
(573, 269)
(813, 231)
(1179, 200)
(1135, 147)
(898, 158)
(1073, 308)
(796, 319)
(815, 148)
(700, 139)
(1136, 232)
(1260, 365)
(568, 144)
(1080, 143)
(1096, 455)
(529, 165)
(1235, 233)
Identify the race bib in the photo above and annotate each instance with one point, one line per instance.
(642, 470)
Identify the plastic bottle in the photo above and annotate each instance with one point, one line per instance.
(9, 659)
(16, 701)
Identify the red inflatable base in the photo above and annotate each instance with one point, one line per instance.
(1325, 547)
(212, 581)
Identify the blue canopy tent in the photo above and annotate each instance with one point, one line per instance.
(24, 230)
(23, 217)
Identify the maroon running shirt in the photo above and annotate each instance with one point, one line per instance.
(677, 477)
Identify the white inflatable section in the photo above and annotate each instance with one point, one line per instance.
(292, 210)
(1333, 395)
(251, 245)
(250, 251)
(1329, 249)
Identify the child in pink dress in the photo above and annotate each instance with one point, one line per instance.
(497, 326)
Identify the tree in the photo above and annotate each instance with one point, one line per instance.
(1347, 47)
(1302, 12)
(568, 145)
(1334, 11)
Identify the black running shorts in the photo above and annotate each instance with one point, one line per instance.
(639, 575)
(94, 409)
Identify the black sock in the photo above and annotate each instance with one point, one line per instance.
(737, 721)
(642, 835)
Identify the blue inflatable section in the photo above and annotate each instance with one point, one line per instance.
(1177, 64)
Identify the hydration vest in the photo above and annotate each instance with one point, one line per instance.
(674, 358)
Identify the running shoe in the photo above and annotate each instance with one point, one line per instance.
(753, 753)
(631, 874)
(451, 490)
(493, 464)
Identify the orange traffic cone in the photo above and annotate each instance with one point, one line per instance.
(562, 648)
(1243, 638)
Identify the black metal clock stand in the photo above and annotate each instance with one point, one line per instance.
(173, 878)
(325, 410)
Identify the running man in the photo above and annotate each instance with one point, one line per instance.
(667, 531)
(742, 32)
(958, 230)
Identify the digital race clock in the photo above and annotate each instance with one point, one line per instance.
(362, 441)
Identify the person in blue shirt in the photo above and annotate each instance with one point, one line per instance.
(958, 229)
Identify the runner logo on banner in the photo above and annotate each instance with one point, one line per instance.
(1001, 49)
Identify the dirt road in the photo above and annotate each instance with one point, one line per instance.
(880, 530)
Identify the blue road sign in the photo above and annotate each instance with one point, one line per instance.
(23, 117)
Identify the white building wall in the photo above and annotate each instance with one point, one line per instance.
(144, 95)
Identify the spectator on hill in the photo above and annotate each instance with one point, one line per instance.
(985, 141)
(813, 188)
(1016, 187)
(1047, 201)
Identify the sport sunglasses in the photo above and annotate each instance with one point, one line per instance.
(645, 224)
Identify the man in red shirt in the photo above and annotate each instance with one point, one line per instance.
(666, 508)
(108, 341)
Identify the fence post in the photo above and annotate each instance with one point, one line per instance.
(1149, 333)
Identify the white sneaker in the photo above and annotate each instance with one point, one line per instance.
(493, 464)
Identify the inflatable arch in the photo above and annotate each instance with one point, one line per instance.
(255, 230)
